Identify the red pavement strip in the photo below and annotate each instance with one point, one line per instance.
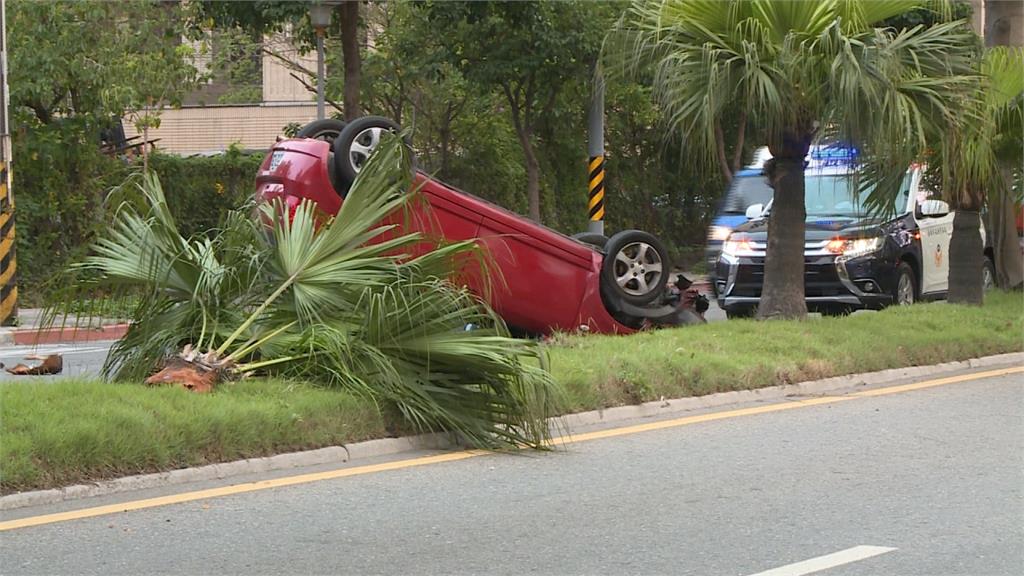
(34, 337)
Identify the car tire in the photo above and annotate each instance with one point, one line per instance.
(904, 292)
(327, 129)
(594, 239)
(988, 275)
(739, 313)
(356, 142)
(635, 268)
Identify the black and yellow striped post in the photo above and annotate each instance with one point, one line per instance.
(595, 204)
(8, 263)
(595, 151)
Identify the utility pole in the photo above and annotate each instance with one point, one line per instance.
(8, 264)
(595, 150)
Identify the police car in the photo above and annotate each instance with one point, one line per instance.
(852, 260)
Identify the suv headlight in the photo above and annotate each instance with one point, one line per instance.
(737, 248)
(719, 233)
(856, 247)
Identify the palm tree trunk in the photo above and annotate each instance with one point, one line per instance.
(1006, 245)
(965, 254)
(1003, 27)
(782, 294)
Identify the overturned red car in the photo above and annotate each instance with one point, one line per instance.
(544, 281)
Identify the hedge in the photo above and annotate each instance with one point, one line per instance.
(61, 182)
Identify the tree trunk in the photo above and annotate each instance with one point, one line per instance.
(349, 13)
(532, 176)
(1006, 244)
(965, 259)
(1003, 23)
(1004, 26)
(782, 293)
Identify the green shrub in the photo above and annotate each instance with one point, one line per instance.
(201, 190)
(61, 182)
(60, 179)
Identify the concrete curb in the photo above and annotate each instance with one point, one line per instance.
(566, 424)
(329, 455)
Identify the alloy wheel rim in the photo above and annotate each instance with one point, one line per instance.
(905, 291)
(638, 268)
(362, 146)
(987, 281)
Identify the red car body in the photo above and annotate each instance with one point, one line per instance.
(542, 280)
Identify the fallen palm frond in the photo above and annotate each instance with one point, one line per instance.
(338, 301)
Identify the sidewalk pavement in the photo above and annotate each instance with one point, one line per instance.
(32, 329)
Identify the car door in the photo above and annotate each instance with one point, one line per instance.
(935, 234)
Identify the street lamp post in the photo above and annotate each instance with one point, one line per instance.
(320, 18)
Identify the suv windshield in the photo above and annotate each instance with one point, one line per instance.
(745, 192)
(836, 195)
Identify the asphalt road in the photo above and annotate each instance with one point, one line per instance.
(81, 359)
(927, 482)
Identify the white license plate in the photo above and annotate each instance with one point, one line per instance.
(275, 160)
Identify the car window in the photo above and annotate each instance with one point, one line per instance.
(745, 192)
(836, 195)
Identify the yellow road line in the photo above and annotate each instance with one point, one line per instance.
(235, 489)
(939, 382)
(454, 456)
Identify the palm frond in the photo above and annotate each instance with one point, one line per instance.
(340, 302)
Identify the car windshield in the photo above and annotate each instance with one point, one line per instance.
(836, 195)
(745, 192)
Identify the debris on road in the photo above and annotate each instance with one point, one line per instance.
(52, 364)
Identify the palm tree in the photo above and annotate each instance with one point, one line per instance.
(978, 159)
(1004, 26)
(798, 68)
(337, 301)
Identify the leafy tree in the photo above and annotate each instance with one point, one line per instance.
(76, 68)
(94, 60)
(978, 158)
(797, 67)
(525, 51)
(262, 17)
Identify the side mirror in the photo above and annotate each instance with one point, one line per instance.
(754, 211)
(932, 209)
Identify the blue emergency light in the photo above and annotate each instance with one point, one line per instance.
(833, 155)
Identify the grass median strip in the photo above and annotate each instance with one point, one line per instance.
(57, 433)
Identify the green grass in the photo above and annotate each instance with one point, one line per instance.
(604, 371)
(66, 432)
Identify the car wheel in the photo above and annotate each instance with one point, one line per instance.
(594, 239)
(635, 267)
(905, 291)
(988, 275)
(356, 143)
(738, 313)
(327, 129)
